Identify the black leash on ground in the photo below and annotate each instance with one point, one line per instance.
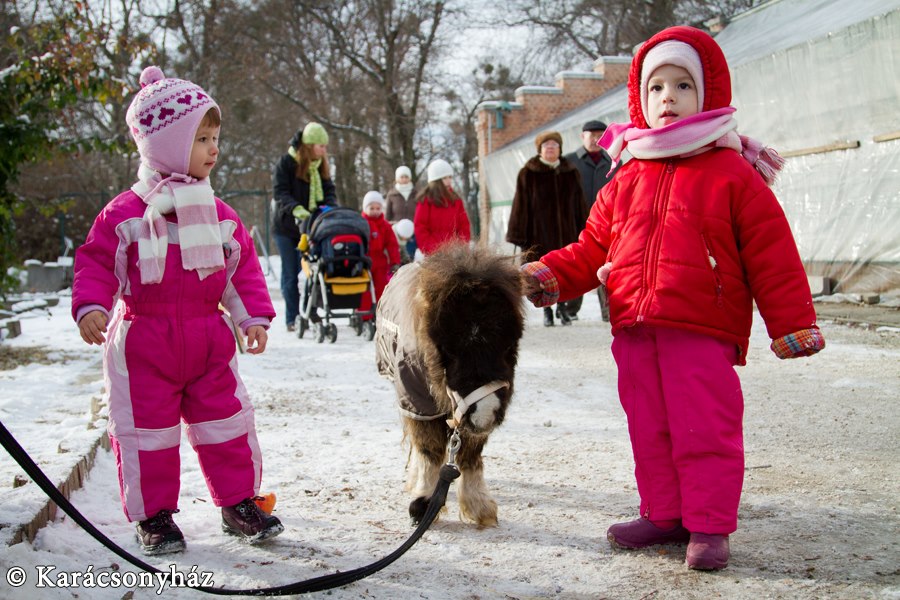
(448, 473)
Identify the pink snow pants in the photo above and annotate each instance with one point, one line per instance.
(166, 363)
(685, 408)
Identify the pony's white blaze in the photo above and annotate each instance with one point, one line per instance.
(485, 412)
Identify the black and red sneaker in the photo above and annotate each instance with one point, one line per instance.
(159, 534)
(248, 521)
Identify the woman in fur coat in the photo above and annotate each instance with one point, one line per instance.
(548, 211)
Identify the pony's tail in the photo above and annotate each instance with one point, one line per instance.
(764, 159)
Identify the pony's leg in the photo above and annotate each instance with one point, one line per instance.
(475, 502)
(428, 441)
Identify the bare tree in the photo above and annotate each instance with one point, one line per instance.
(487, 81)
(579, 31)
(357, 67)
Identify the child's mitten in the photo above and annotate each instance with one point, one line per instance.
(548, 293)
(805, 342)
(603, 273)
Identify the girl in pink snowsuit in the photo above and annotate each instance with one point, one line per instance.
(160, 259)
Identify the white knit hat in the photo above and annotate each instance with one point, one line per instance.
(372, 197)
(402, 170)
(404, 228)
(438, 169)
(672, 52)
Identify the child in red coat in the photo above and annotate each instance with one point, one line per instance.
(685, 237)
(384, 251)
(440, 213)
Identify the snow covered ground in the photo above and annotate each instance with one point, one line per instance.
(819, 515)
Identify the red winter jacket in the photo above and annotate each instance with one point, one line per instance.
(436, 225)
(692, 242)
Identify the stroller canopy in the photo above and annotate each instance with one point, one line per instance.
(339, 220)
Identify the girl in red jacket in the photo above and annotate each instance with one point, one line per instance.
(685, 238)
(440, 214)
(383, 247)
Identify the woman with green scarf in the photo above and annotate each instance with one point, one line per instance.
(302, 186)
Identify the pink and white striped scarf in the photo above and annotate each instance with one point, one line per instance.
(689, 136)
(198, 224)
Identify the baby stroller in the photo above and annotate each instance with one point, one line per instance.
(335, 267)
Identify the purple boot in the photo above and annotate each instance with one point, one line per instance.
(707, 552)
(641, 533)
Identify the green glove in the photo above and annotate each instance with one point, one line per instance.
(300, 213)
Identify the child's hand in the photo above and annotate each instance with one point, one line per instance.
(257, 336)
(539, 284)
(805, 342)
(92, 326)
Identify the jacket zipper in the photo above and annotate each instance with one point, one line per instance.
(657, 221)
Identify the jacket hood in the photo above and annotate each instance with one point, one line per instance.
(716, 77)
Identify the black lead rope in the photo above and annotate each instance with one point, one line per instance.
(448, 473)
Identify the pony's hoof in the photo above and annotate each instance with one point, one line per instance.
(417, 509)
(487, 521)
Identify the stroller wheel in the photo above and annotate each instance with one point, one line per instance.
(370, 330)
(331, 332)
(319, 332)
(302, 327)
(356, 324)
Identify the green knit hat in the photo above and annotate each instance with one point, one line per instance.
(314, 133)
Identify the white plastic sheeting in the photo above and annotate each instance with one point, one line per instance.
(809, 77)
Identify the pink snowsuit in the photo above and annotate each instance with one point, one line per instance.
(170, 356)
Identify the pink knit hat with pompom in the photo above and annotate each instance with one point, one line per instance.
(163, 118)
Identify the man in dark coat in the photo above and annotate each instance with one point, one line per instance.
(548, 211)
(593, 163)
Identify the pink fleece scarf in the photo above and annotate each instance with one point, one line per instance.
(198, 224)
(689, 136)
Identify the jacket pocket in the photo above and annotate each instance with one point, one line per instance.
(714, 268)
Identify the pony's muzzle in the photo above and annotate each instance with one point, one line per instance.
(481, 406)
(483, 416)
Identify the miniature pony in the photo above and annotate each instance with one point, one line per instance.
(448, 332)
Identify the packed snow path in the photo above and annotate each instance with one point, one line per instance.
(818, 516)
